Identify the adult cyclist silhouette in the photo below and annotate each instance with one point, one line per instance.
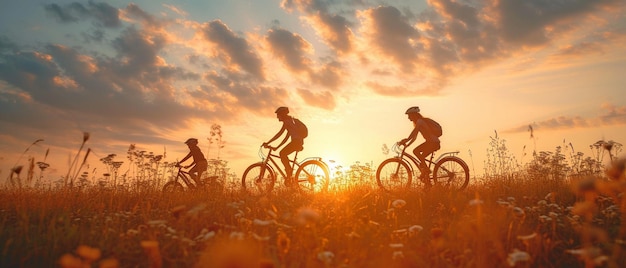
(293, 128)
(430, 145)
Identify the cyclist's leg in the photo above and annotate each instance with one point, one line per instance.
(192, 174)
(200, 167)
(284, 157)
(424, 150)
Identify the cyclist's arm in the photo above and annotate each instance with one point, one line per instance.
(185, 158)
(280, 133)
(412, 137)
(283, 142)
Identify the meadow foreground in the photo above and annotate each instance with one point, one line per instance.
(574, 223)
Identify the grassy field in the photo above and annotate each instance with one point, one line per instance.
(496, 223)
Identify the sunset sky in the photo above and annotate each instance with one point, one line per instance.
(154, 73)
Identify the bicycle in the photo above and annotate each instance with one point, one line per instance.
(175, 185)
(397, 173)
(312, 174)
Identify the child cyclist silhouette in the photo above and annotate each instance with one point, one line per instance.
(431, 137)
(199, 164)
(297, 131)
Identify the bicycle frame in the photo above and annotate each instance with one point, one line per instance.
(403, 155)
(270, 158)
(184, 176)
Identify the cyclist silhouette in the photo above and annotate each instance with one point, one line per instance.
(430, 145)
(199, 162)
(291, 125)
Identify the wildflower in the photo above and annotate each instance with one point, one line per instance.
(517, 256)
(237, 235)
(396, 245)
(476, 202)
(258, 222)
(204, 235)
(518, 212)
(503, 203)
(374, 223)
(398, 203)
(415, 229)
(306, 216)
(353, 234)
(193, 212)
(397, 255)
(527, 237)
(88, 253)
(85, 136)
(260, 238)
(326, 257)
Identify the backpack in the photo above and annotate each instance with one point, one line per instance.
(301, 130)
(434, 127)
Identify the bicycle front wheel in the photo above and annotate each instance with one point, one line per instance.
(313, 176)
(394, 174)
(451, 172)
(255, 184)
(173, 187)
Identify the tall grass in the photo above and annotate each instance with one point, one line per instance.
(519, 223)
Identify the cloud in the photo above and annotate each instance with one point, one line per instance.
(104, 14)
(536, 22)
(291, 49)
(333, 28)
(612, 116)
(391, 34)
(323, 99)
(233, 50)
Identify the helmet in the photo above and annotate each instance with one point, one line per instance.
(413, 109)
(192, 141)
(282, 109)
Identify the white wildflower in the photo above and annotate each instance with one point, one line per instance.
(237, 235)
(398, 203)
(307, 216)
(517, 256)
(476, 202)
(204, 235)
(326, 257)
(415, 229)
(353, 234)
(258, 222)
(260, 238)
(519, 212)
(397, 255)
(527, 237)
(396, 245)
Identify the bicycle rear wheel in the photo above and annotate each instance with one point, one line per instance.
(173, 187)
(394, 174)
(254, 184)
(451, 172)
(313, 176)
